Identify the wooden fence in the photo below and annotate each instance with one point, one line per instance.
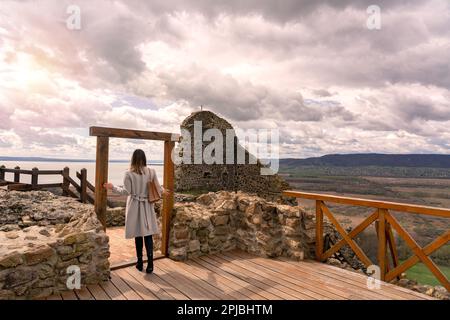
(82, 187)
(384, 223)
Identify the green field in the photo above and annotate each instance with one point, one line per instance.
(422, 186)
(423, 275)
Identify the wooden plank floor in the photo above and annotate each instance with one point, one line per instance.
(238, 275)
(122, 249)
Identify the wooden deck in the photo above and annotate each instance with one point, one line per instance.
(238, 275)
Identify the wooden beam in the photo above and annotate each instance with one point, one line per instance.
(17, 170)
(2, 173)
(65, 183)
(319, 231)
(168, 198)
(356, 249)
(382, 243)
(132, 134)
(88, 184)
(17, 175)
(428, 249)
(418, 251)
(83, 186)
(48, 185)
(352, 234)
(404, 207)
(392, 246)
(74, 183)
(34, 178)
(101, 177)
(19, 187)
(50, 172)
(23, 171)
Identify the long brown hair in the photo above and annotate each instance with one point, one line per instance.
(138, 161)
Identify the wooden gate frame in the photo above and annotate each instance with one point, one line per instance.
(101, 172)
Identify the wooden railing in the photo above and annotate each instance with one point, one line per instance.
(67, 181)
(384, 223)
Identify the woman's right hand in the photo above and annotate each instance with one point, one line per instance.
(164, 192)
(108, 186)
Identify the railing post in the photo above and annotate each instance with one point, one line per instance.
(319, 230)
(382, 243)
(83, 185)
(66, 183)
(2, 173)
(101, 177)
(168, 197)
(17, 175)
(34, 178)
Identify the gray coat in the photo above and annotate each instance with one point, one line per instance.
(140, 216)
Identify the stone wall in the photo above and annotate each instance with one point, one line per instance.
(222, 176)
(40, 236)
(224, 220)
(115, 217)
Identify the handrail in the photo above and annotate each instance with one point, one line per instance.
(396, 206)
(384, 223)
(65, 185)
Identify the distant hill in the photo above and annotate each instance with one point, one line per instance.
(372, 159)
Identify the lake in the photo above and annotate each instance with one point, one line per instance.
(116, 170)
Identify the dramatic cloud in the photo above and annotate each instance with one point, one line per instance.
(311, 69)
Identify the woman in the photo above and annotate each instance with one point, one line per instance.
(140, 216)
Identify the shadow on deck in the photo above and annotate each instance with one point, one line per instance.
(238, 275)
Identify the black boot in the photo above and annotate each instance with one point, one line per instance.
(138, 241)
(149, 248)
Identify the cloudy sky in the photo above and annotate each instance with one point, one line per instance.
(311, 69)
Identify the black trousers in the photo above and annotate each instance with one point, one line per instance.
(139, 242)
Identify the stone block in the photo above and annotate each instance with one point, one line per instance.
(11, 260)
(222, 230)
(194, 245)
(220, 220)
(38, 255)
(178, 253)
(181, 234)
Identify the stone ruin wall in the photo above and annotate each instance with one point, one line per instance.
(216, 177)
(224, 221)
(40, 236)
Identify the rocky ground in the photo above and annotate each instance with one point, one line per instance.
(41, 235)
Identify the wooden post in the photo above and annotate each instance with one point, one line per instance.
(382, 243)
(66, 183)
(101, 177)
(17, 175)
(319, 230)
(2, 173)
(392, 246)
(34, 178)
(168, 200)
(83, 185)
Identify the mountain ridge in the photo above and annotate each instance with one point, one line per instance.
(372, 159)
